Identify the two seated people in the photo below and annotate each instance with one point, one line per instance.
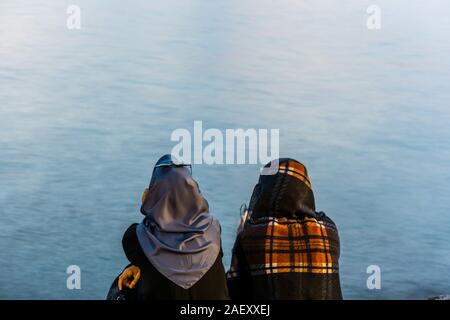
(284, 249)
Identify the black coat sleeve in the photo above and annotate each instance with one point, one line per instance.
(239, 279)
(132, 248)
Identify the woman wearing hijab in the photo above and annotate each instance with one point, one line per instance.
(175, 252)
(284, 249)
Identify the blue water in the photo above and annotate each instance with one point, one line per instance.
(84, 114)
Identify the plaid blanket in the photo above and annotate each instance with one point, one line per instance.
(280, 245)
(285, 249)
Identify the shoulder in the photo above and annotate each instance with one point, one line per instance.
(130, 237)
(322, 216)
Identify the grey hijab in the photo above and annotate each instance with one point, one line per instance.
(178, 235)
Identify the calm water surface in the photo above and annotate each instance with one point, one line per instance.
(84, 114)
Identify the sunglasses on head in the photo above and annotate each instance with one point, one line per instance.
(172, 164)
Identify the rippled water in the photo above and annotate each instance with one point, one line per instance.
(84, 114)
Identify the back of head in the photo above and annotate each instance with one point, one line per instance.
(174, 200)
(178, 235)
(287, 193)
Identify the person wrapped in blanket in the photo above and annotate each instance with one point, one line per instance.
(175, 252)
(284, 249)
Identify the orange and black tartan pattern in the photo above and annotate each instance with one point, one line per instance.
(296, 170)
(270, 245)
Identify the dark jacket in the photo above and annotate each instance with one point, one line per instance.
(155, 286)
